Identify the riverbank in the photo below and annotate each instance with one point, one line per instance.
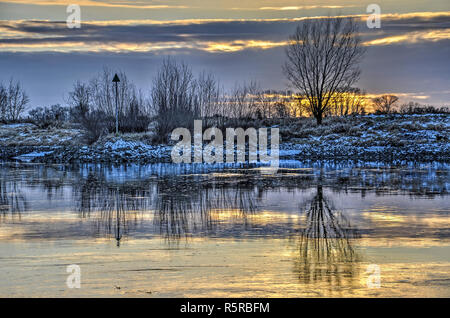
(370, 137)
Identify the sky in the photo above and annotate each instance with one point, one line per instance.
(238, 40)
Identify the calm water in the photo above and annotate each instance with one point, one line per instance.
(166, 230)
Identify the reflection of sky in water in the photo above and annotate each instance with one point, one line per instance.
(309, 230)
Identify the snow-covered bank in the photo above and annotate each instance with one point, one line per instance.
(393, 137)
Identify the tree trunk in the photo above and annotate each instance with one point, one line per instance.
(318, 118)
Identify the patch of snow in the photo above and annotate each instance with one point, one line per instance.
(32, 155)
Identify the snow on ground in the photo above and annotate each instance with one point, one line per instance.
(365, 137)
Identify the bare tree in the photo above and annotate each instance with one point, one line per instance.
(384, 103)
(173, 97)
(297, 106)
(84, 112)
(13, 100)
(322, 57)
(208, 92)
(80, 96)
(244, 100)
(280, 109)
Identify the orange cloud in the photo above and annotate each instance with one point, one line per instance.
(123, 47)
(239, 45)
(412, 37)
(295, 8)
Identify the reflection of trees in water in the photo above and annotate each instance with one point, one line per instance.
(189, 204)
(115, 208)
(414, 179)
(326, 254)
(426, 181)
(185, 207)
(12, 202)
(51, 179)
(118, 212)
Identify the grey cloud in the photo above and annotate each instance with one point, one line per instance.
(277, 30)
(420, 68)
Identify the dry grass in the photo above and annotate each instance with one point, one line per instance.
(31, 135)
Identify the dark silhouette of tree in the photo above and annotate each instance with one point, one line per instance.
(384, 103)
(84, 112)
(323, 56)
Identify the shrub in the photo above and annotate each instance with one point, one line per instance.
(94, 122)
(133, 120)
(416, 108)
(53, 116)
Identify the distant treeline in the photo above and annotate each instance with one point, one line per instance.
(176, 98)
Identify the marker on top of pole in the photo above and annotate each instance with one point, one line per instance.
(116, 80)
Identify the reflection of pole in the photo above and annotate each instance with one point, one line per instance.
(118, 236)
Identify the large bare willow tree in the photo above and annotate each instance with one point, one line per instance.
(322, 58)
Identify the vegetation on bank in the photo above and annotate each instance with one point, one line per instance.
(392, 136)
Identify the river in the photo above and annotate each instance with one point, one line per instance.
(313, 229)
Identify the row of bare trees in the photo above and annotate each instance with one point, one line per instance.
(177, 96)
(99, 94)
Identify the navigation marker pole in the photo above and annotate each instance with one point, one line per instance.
(116, 80)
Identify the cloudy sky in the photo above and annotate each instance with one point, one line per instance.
(238, 40)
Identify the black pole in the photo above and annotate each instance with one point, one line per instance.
(117, 110)
(116, 80)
